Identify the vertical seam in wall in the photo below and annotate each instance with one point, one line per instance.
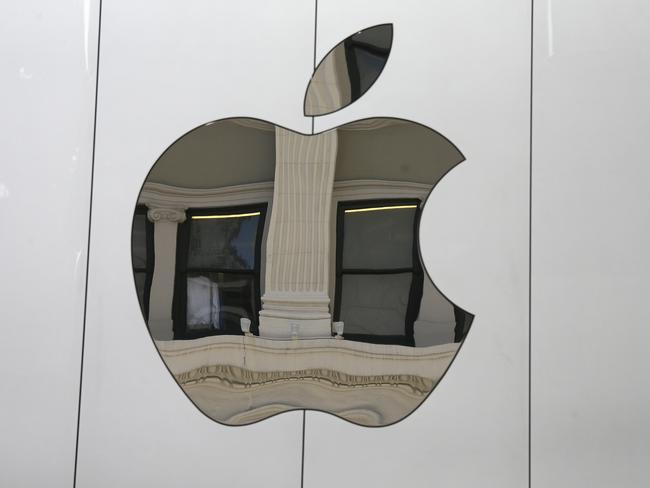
(530, 245)
(314, 61)
(304, 412)
(90, 213)
(302, 462)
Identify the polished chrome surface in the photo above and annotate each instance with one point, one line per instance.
(348, 70)
(237, 232)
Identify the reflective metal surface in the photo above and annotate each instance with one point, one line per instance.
(349, 70)
(285, 273)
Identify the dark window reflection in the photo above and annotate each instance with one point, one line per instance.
(375, 304)
(142, 255)
(366, 54)
(379, 277)
(218, 271)
(225, 243)
(463, 323)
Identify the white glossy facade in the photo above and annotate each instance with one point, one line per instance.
(477, 254)
(165, 70)
(47, 65)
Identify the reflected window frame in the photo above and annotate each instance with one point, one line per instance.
(351, 46)
(179, 302)
(417, 282)
(148, 269)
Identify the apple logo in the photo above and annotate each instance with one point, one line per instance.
(279, 271)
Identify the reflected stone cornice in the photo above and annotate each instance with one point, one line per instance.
(350, 357)
(161, 195)
(167, 196)
(239, 380)
(244, 378)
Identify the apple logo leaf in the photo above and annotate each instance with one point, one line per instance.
(348, 70)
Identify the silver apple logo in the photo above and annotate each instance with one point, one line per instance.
(280, 271)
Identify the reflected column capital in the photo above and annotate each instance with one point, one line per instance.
(165, 220)
(176, 215)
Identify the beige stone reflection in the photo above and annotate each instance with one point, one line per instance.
(240, 380)
(297, 247)
(329, 89)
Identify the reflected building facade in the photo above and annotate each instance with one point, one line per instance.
(277, 270)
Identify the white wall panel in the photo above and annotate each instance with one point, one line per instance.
(591, 235)
(47, 61)
(463, 69)
(459, 67)
(165, 68)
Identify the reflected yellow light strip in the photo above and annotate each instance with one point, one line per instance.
(374, 209)
(228, 216)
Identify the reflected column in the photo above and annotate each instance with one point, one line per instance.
(166, 222)
(295, 302)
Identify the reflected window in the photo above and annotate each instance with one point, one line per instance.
(142, 248)
(366, 54)
(218, 271)
(379, 278)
